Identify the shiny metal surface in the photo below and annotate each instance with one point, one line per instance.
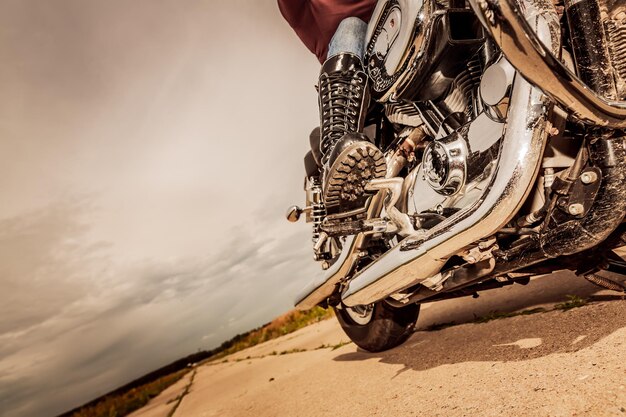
(394, 187)
(519, 161)
(315, 210)
(445, 164)
(294, 212)
(323, 286)
(522, 45)
(392, 56)
(360, 314)
(518, 164)
(494, 89)
(495, 82)
(483, 134)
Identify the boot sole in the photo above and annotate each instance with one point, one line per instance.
(357, 165)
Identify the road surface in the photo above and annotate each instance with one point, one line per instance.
(554, 363)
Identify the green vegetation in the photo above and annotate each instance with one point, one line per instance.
(340, 344)
(495, 315)
(134, 395)
(121, 404)
(573, 301)
(439, 326)
(281, 326)
(295, 350)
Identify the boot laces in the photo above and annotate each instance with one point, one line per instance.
(341, 95)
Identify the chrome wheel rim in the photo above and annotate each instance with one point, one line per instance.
(361, 314)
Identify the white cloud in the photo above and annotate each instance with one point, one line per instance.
(138, 317)
(185, 146)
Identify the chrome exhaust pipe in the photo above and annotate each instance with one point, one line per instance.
(323, 286)
(520, 158)
(523, 48)
(518, 164)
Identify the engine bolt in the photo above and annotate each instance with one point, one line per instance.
(589, 177)
(576, 209)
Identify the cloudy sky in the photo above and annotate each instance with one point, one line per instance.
(149, 150)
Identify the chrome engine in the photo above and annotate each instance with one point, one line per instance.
(409, 42)
(472, 148)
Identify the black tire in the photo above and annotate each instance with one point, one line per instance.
(387, 328)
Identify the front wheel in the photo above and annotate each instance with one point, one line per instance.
(378, 326)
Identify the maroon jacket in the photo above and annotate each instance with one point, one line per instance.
(315, 21)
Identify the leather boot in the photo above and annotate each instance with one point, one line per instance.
(349, 159)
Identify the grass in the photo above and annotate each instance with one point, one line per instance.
(127, 399)
(119, 405)
(285, 324)
(340, 344)
(573, 301)
(496, 315)
(286, 352)
(295, 350)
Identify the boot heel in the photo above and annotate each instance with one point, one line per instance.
(347, 178)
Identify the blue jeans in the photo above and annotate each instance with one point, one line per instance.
(349, 37)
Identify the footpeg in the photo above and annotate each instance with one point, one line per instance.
(394, 186)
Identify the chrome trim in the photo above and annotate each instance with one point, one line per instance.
(399, 57)
(361, 315)
(538, 64)
(294, 212)
(519, 161)
(520, 158)
(323, 286)
(445, 164)
(393, 186)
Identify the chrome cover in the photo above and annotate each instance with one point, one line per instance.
(323, 286)
(397, 34)
(507, 188)
(529, 50)
(518, 162)
(444, 164)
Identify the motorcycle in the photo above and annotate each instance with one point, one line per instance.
(502, 124)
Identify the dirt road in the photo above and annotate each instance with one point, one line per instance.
(555, 363)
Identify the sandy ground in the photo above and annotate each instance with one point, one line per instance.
(557, 363)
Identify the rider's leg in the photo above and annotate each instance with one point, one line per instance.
(349, 159)
(349, 38)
